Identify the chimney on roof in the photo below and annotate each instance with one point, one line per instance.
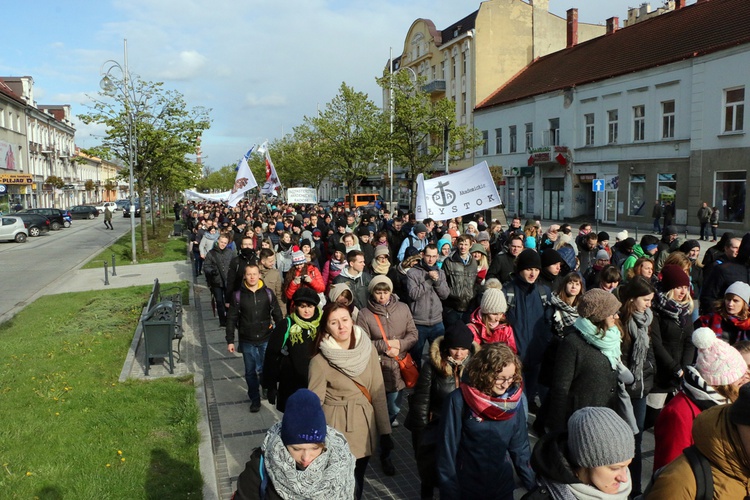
(572, 27)
(679, 4)
(613, 23)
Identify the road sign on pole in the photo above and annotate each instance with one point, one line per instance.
(597, 185)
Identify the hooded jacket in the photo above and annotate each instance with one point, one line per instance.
(357, 285)
(630, 260)
(483, 335)
(426, 295)
(461, 280)
(724, 274)
(719, 441)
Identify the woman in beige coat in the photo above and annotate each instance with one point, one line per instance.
(346, 376)
(386, 316)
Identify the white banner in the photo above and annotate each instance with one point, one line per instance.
(8, 155)
(302, 195)
(464, 192)
(243, 182)
(196, 196)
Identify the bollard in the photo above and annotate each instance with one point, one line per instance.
(114, 272)
(636, 232)
(686, 236)
(106, 277)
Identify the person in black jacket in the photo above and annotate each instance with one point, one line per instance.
(721, 275)
(287, 359)
(449, 355)
(216, 269)
(502, 263)
(253, 315)
(247, 255)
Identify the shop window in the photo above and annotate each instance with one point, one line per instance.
(666, 187)
(729, 195)
(637, 194)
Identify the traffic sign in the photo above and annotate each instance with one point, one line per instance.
(597, 185)
(2, 188)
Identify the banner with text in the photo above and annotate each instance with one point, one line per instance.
(302, 195)
(464, 192)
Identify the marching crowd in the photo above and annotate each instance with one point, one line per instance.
(341, 315)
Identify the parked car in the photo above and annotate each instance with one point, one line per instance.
(35, 224)
(111, 204)
(12, 228)
(55, 215)
(84, 212)
(122, 204)
(126, 211)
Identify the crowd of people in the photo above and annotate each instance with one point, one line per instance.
(488, 330)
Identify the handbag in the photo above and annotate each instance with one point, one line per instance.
(409, 370)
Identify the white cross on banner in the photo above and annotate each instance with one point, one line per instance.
(464, 192)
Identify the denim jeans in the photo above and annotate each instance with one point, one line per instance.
(451, 316)
(253, 355)
(636, 466)
(657, 225)
(393, 400)
(426, 334)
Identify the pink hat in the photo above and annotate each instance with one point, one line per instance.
(718, 362)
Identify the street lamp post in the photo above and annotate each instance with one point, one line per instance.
(107, 84)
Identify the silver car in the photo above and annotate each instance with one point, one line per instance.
(13, 229)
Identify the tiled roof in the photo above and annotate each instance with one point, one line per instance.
(692, 31)
(4, 89)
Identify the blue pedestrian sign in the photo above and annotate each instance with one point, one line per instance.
(597, 185)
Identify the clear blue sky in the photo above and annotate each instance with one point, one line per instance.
(261, 65)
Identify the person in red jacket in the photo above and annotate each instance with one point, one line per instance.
(488, 323)
(302, 274)
(716, 377)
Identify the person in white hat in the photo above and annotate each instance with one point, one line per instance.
(731, 321)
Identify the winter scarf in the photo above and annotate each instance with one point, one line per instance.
(284, 247)
(698, 391)
(336, 265)
(328, 477)
(565, 315)
(486, 407)
(714, 322)
(670, 308)
(585, 492)
(638, 327)
(351, 362)
(609, 344)
(427, 268)
(299, 325)
(380, 267)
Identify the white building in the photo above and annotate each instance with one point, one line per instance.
(655, 110)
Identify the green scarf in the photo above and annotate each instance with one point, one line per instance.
(609, 344)
(299, 325)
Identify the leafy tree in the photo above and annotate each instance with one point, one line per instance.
(217, 180)
(420, 126)
(55, 181)
(164, 131)
(89, 185)
(346, 137)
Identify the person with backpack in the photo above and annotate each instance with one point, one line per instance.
(717, 466)
(301, 457)
(253, 311)
(285, 367)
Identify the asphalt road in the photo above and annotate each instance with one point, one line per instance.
(27, 269)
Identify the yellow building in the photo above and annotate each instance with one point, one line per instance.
(466, 61)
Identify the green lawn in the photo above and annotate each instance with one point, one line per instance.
(69, 428)
(162, 247)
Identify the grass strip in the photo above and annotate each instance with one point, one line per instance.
(70, 430)
(162, 247)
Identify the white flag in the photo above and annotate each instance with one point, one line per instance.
(272, 178)
(464, 192)
(243, 182)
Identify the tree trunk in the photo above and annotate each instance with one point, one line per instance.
(144, 226)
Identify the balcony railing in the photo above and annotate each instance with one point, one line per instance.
(435, 86)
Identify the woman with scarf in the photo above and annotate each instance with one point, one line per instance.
(284, 252)
(302, 275)
(301, 457)
(671, 331)
(638, 357)
(731, 321)
(488, 323)
(381, 261)
(588, 461)
(341, 293)
(483, 421)
(285, 368)
(715, 379)
(334, 265)
(444, 250)
(345, 374)
(588, 360)
(449, 355)
(389, 324)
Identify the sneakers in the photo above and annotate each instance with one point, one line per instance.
(255, 407)
(394, 424)
(387, 465)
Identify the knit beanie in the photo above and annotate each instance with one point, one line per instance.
(597, 305)
(257, 224)
(551, 257)
(598, 436)
(528, 259)
(483, 236)
(671, 230)
(419, 228)
(474, 225)
(303, 421)
(305, 241)
(307, 295)
(689, 245)
(279, 226)
(741, 290)
(529, 242)
(297, 256)
(493, 302)
(628, 244)
(717, 362)
(622, 235)
(478, 247)
(339, 247)
(568, 254)
(458, 335)
(673, 276)
(381, 250)
(602, 255)
(603, 236)
(442, 242)
(380, 278)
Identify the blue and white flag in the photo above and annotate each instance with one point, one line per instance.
(243, 182)
(464, 192)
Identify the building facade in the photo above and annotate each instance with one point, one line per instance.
(655, 111)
